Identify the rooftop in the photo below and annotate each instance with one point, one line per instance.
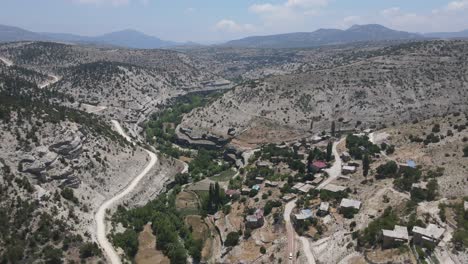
(349, 168)
(334, 188)
(431, 231)
(306, 188)
(349, 203)
(411, 164)
(324, 206)
(299, 185)
(399, 232)
(304, 214)
(319, 164)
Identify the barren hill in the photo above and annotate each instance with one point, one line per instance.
(392, 84)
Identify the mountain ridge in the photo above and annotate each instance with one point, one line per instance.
(321, 37)
(128, 38)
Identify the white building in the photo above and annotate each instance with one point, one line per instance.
(397, 236)
(349, 203)
(431, 235)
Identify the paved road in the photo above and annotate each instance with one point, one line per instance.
(105, 244)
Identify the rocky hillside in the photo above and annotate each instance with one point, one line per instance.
(105, 77)
(393, 84)
(57, 165)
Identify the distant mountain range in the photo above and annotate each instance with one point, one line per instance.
(126, 38)
(134, 39)
(356, 33)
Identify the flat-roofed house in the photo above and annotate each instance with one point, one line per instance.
(288, 197)
(255, 220)
(345, 156)
(245, 190)
(298, 186)
(303, 215)
(349, 203)
(323, 208)
(306, 188)
(334, 188)
(271, 183)
(431, 235)
(317, 180)
(348, 170)
(396, 237)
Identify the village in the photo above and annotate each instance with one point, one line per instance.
(336, 191)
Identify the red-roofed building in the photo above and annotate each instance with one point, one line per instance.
(319, 165)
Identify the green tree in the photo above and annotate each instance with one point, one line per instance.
(333, 128)
(465, 151)
(88, 250)
(329, 150)
(232, 239)
(387, 170)
(128, 241)
(365, 165)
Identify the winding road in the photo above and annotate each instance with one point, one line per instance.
(53, 80)
(334, 172)
(100, 217)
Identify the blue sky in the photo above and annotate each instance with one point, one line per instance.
(217, 20)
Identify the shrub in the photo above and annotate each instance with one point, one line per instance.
(68, 194)
(232, 239)
(88, 250)
(387, 170)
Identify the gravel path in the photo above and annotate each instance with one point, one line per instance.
(100, 216)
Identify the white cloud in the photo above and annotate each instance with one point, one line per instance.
(457, 5)
(350, 20)
(289, 14)
(450, 17)
(390, 11)
(306, 3)
(103, 2)
(231, 26)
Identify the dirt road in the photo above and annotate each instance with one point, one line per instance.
(335, 171)
(6, 61)
(53, 79)
(291, 233)
(100, 216)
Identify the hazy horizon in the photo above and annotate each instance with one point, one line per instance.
(214, 21)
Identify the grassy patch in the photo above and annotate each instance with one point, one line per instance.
(224, 176)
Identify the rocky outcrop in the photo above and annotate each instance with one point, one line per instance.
(43, 161)
(70, 144)
(38, 161)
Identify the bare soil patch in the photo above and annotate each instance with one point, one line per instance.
(147, 253)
